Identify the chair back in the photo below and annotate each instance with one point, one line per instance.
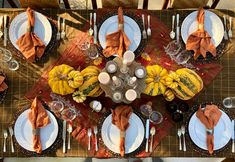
(39, 3)
(120, 3)
(182, 4)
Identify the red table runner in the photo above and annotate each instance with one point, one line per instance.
(76, 58)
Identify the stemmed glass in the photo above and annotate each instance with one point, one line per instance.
(6, 57)
(154, 116)
(173, 48)
(69, 114)
(56, 106)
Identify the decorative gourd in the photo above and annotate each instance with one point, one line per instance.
(58, 79)
(172, 80)
(189, 83)
(155, 80)
(75, 79)
(91, 85)
(169, 95)
(79, 97)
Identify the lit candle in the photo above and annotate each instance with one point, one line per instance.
(116, 81)
(111, 67)
(104, 78)
(131, 95)
(132, 80)
(117, 96)
(129, 56)
(140, 72)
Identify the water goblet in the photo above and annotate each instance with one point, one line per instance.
(69, 114)
(173, 48)
(56, 106)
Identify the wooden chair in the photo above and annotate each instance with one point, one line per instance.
(182, 4)
(39, 3)
(118, 3)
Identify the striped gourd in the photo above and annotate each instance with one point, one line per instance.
(91, 85)
(185, 83)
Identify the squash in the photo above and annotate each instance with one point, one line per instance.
(155, 80)
(169, 95)
(75, 79)
(79, 97)
(188, 85)
(91, 86)
(58, 79)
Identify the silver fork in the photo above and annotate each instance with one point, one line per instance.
(96, 132)
(11, 132)
(225, 29)
(144, 30)
(149, 29)
(58, 32)
(230, 34)
(63, 29)
(69, 130)
(179, 135)
(5, 134)
(89, 138)
(183, 133)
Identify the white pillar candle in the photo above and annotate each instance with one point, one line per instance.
(129, 56)
(104, 78)
(124, 66)
(132, 80)
(131, 95)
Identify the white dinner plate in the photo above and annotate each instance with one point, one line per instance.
(18, 27)
(24, 136)
(222, 132)
(134, 134)
(212, 24)
(131, 29)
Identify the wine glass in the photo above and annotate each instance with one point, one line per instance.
(229, 102)
(183, 57)
(69, 114)
(83, 42)
(156, 117)
(56, 106)
(92, 52)
(146, 109)
(6, 57)
(173, 48)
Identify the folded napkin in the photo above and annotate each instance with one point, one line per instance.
(39, 119)
(200, 41)
(3, 85)
(30, 44)
(120, 118)
(209, 117)
(117, 42)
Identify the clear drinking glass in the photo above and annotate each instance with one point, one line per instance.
(229, 102)
(56, 106)
(156, 117)
(183, 57)
(173, 48)
(69, 114)
(146, 110)
(92, 52)
(6, 57)
(84, 43)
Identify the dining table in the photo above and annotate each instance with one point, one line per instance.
(23, 79)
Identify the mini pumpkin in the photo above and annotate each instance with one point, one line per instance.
(75, 79)
(155, 80)
(169, 95)
(79, 97)
(58, 79)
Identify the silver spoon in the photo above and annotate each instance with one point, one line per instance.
(172, 33)
(152, 132)
(90, 30)
(230, 34)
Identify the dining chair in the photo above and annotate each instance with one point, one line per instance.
(39, 3)
(182, 4)
(118, 3)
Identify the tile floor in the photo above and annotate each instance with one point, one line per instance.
(153, 4)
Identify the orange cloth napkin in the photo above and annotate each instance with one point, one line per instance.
(209, 117)
(120, 118)
(39, 119)
(30, 44)
(200, 41)
(117, 42)
(3, 85)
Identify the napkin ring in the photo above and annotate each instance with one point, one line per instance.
(29, 28)
(201, 26)
(36, 132)
(209, 131)
(121, 26)
(122, 134)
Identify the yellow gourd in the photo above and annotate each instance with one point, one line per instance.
(169, 95)
(75, 79)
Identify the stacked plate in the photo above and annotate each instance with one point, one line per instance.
(19, 24)
(24, 136)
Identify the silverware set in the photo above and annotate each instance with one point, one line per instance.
(181, 134)
(144, 32)
(175, 34)
(61, 29)
(69, 129)
(152, 133)
(5, 136)
(228, 34)
(89, 134)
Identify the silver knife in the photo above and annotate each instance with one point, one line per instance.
(1, 26)
(147, 136)
(64, 136)
(95, 29)
(225, 29)
(233, 136)
(177, 28)
(5, 31)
